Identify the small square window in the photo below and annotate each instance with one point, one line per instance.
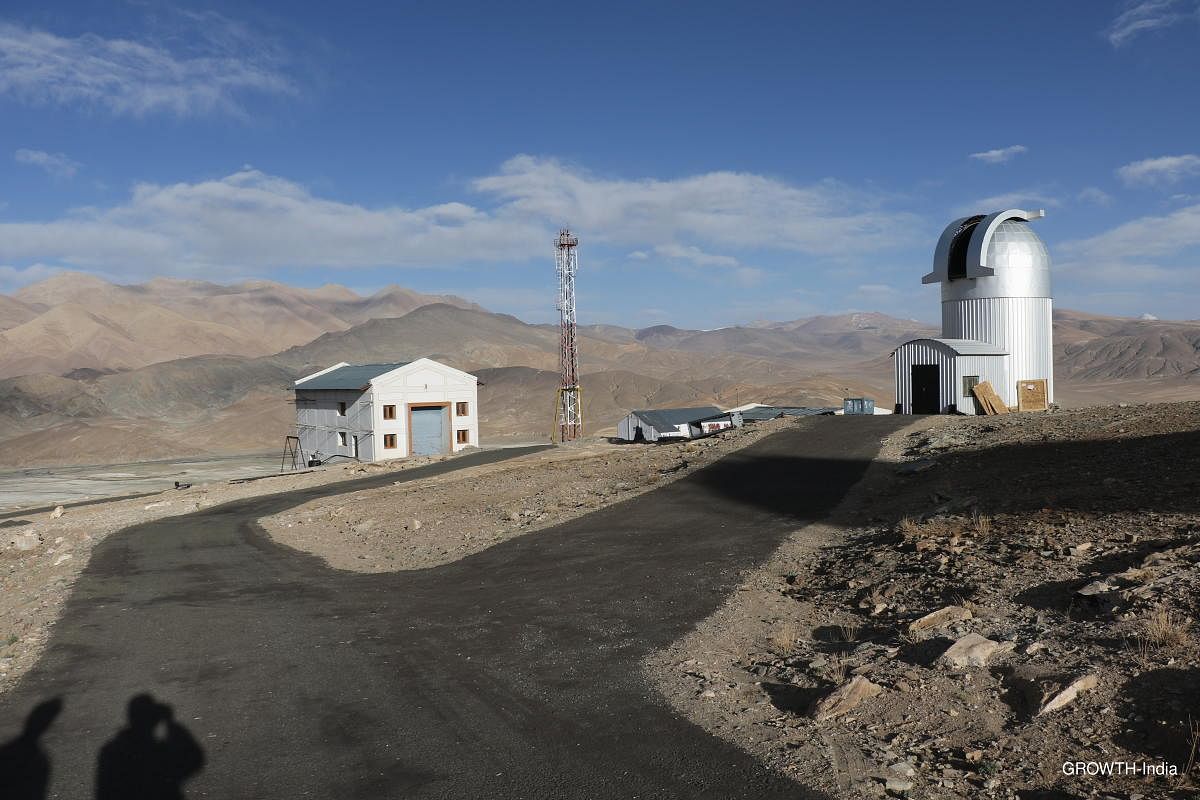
(389, 441)
(969, 383)
(341, 438)
(341, 409)
(389, 412)
(464, 437)
(461, 409)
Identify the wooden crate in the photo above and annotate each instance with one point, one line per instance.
(1032, 395)
(987, 397)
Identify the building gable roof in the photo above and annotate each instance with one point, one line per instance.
(348, 376)
(663, 418)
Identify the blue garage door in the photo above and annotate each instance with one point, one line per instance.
(429, 435)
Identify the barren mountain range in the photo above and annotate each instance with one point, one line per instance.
(92, 372)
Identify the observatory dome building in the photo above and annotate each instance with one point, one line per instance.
(996, 318)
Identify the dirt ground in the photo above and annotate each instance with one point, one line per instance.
(1061, 553)
(42, 552)
(426, 523)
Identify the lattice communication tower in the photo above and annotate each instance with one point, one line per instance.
(568, 405)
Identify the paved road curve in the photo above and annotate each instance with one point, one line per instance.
(510, 674)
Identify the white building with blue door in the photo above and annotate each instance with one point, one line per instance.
(376, 412)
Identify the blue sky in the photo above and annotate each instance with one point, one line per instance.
(720, 162)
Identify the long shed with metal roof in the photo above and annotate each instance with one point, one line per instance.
(652, 424)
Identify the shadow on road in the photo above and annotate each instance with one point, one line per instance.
(24, 765)
(150, 758)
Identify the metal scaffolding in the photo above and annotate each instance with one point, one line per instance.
(568, 405)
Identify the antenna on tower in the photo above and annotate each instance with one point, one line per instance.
(568, 410)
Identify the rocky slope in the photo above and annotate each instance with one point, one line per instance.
(1002, 598)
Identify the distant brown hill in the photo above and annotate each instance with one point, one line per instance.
(239, 402)
(75, 321)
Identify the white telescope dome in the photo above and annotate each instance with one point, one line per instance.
(992, 255)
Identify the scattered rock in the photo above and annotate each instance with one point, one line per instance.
(1095, 588)
(24, 542)
(971, 650)
(57, 512)
(914, 467)
(845, 698)
(939, 618)
(898, 785)
(1068, 695)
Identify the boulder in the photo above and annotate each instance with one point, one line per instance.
(971, 650)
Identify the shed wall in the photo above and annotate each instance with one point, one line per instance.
(318, 422)
(924, 352)
(952, 368)
(993, 369)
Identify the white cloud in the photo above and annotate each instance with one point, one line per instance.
(727, 209)
(1149, 15)
(13, 278)
(1096, 196)
(221, 62)
(999, 156)
(56, 164)
(695, 256)
(877, 290)
(1021, 198)
(249, 222)
(1154, 236)
(1146, 262)
(688, 257)
(252, 221)
(1160, 171)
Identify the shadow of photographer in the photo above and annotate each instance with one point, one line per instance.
(150, 758)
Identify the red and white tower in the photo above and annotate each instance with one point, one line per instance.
(568, 406)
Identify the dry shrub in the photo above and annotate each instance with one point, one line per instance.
(1167, 630)
(849, 630)
(783, 640)
(1142, 652)
(909, 528)
(981, 524)
(1193, 734)
(837, 669)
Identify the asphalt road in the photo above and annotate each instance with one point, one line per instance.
(513, 673)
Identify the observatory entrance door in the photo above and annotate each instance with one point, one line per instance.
(925, 389)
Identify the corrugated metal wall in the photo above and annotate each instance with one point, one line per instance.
(951, 370)
(993, 369)
(923, 351)
(1021, 325)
